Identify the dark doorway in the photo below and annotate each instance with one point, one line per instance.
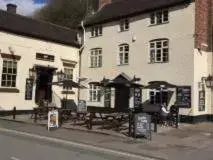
(44, 84)
(121, 97)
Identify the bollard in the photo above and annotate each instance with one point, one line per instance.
(35, 118)
(14, 112)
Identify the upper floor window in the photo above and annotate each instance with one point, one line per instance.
(124, 25)
(9, 73)
(96, 58)
(94, 93)
(123, 54)
(96, 31)
(159, 50)
(159, 17)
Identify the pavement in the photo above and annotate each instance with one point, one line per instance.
(189, 142)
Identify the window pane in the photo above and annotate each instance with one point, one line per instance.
(3, 83)
(9, 64)
(165, 43)
(9, 77)
(14, 77)
(121, 48)
(100, 61)
(165, 16)
(126, 59)
(3, 77)
(100, 30)
(159, 44)
(4, 63)
(126, 48)
(9, 83)
(152, 18)
(152, 45)
(159, 17)
(4, 70)
(13, 83)
(9, 70)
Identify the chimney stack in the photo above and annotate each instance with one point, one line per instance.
(11, 8)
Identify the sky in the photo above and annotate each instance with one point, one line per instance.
(25, 7)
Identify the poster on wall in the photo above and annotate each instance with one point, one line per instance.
(52, 119)
(201, 101)
(137, 97)
(184, 96)
(28, 89)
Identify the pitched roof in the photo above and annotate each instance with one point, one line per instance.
(124, 8)
(25, 26)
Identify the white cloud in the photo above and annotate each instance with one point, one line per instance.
(25, 7)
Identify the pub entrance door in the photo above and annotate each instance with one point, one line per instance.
(44, 84)
(122, 97)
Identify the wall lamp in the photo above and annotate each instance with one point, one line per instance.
(209, 81)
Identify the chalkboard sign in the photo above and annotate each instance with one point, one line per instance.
(184, 96)
(142, 125)
(28, 89)
(137, 97)
(82, 108)
(201, 100)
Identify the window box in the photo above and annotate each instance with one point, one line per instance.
(9, 90)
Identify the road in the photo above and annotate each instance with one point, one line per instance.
(19, 147)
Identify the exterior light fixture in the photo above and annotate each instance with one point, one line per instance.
(209, 81)
(60, 75)
(32, 73)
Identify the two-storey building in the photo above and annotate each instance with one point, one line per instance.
(31, 53)
(164, 40)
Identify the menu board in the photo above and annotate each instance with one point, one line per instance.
(142, 125)
(28, 89)
(82, 107)
(52, 119)
(137, 97)
(201, 101)
(184, 96)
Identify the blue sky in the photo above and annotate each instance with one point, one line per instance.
(25, 7)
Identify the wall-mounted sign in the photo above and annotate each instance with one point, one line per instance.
(201, 101)
(45, 57)
(52, 119)
(137, 97)
(184, 96)
(28, 89)
(142, 125)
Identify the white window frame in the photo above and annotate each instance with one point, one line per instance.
(124, 25)
(9, 74)
(123, 54)
(159, 17)
(159, 51)
(96, 31)
(155, 92)
(94, 93)
(96, 57)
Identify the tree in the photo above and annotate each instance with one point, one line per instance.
(67, 13)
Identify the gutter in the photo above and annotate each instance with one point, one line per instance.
(80, 52)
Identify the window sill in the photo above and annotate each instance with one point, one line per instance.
(124, 31)
(67, 92)
(96, 36)
(123, 64)
(94, 67)
(158, 62)
(151, 25)
(9, 90)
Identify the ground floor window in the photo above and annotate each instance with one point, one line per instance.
(9, 73)
(94, 93)
(158, 97)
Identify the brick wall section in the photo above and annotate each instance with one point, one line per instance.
(203, 24)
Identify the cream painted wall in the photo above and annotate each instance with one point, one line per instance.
(180, 68)
(27, 48)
